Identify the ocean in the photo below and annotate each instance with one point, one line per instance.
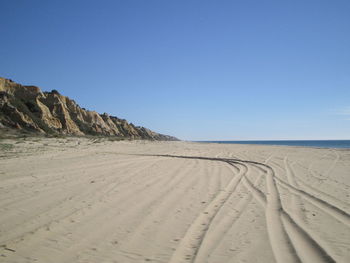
(304, 143)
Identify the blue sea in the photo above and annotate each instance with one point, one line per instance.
(304, 143)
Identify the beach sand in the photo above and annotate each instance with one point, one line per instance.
(85, 200)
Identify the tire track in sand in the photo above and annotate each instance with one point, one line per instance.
(130, 210)
(321, 195)
(296, 202)
(289, 241)
(216, 234)
(280, 242)
(288, 234)
(191, 242)
(333, 211)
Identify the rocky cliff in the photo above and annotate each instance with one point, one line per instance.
(28, 108)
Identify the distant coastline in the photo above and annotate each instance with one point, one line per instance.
(342, 144)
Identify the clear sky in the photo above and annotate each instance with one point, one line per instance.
(198, 70)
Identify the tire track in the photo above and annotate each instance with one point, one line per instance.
(191, 242)
(106, 212)
(216, 233)
(296, 202)
(284, 233)
(314, 252)
(146, 208)
(333, 211)
(307, 248)
(279, 239)
(322, 195)
(164, 209)
(56, 210)
(334, 163)
(311, 250)
(52, 188)
(321, 176)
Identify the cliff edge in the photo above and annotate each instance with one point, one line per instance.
(28, 108)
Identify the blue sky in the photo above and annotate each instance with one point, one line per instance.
(199, 70)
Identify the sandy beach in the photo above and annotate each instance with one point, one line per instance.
(95, 200)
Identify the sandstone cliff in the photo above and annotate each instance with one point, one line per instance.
(28, 108)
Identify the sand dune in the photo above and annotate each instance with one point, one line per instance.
(80, 200)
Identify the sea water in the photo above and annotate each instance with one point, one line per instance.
(305, 143)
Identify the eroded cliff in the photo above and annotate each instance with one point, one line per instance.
(28, 108)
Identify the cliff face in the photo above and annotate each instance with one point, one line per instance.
(28, 108)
